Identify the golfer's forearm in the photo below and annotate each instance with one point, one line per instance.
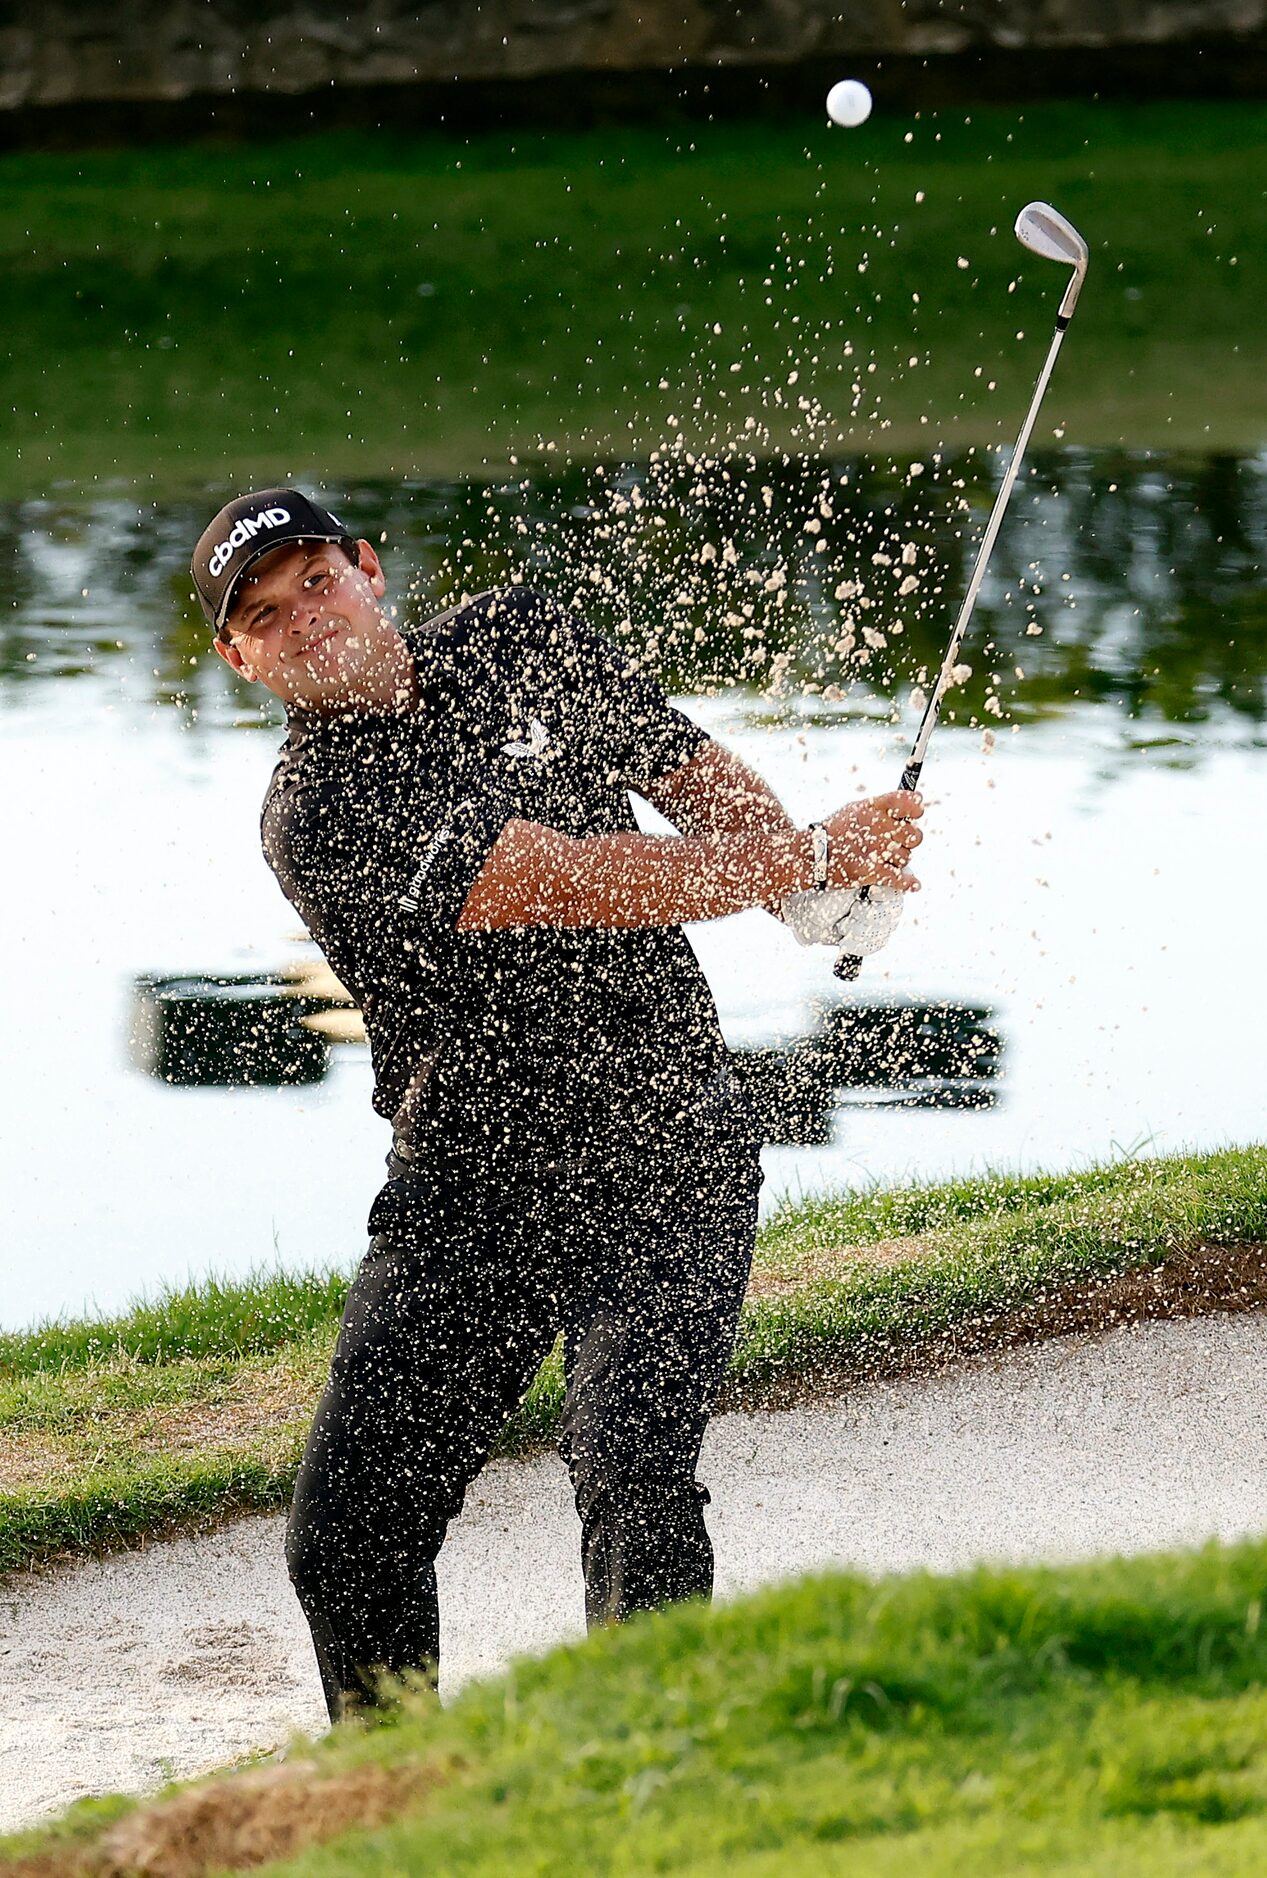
(542, 878)
(717, 793)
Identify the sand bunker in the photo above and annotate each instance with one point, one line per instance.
(168, 1661)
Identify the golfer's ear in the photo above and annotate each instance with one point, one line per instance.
(233, 657)
(372, 568)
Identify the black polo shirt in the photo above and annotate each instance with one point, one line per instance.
(376, 825)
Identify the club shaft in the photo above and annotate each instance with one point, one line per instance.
(910, 776)
(846, 966)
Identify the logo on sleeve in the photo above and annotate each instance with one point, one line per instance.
(411, 898)
(537, 747)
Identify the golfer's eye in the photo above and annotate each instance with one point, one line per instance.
(319, 578)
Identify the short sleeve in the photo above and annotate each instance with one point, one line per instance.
(435, 891)
(641, 735)
(379, 905)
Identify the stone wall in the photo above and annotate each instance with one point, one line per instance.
(68, 52)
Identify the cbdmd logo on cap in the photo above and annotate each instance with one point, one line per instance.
(248, 528)
(241, 533)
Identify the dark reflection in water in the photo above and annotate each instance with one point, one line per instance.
(270, 1028)
(1127, 579)
(226, 1031)
(895, 1053)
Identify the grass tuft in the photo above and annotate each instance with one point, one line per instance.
(211, 1318)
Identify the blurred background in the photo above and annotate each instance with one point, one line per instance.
(596, 297)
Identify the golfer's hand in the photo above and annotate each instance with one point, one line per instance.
(870, 842)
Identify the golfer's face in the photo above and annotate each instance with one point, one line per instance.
(306, 623)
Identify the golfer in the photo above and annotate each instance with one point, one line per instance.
(571, 1152)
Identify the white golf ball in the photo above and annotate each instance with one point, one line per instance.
(849, 103)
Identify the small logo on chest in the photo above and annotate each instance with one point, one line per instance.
(538, 746)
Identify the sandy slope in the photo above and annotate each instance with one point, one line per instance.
(171, 1660)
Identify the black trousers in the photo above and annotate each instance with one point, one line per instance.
(640, 1257)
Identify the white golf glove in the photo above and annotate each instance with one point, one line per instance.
(842, 919)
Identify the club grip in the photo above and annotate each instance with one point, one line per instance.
(846, 966)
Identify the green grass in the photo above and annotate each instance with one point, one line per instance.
(1102, 1719)
(213, 1318)
(103, 1453)
(196, 1404)
(1172, 1199)
(346, 304)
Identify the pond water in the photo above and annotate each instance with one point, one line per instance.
(1090, 928)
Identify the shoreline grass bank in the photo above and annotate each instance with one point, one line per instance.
(195, 1407)
(350, 305)
(1089, 1719)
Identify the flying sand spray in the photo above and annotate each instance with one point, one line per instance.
(873, 913)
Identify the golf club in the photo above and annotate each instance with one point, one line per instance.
(1043, 230)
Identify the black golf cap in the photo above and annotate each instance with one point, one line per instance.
(248, 528)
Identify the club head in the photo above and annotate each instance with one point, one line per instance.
(1044, 230)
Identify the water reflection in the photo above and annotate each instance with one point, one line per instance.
(1126, 579)
(235, 1030)
(276, 1028)
(902, 1053)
